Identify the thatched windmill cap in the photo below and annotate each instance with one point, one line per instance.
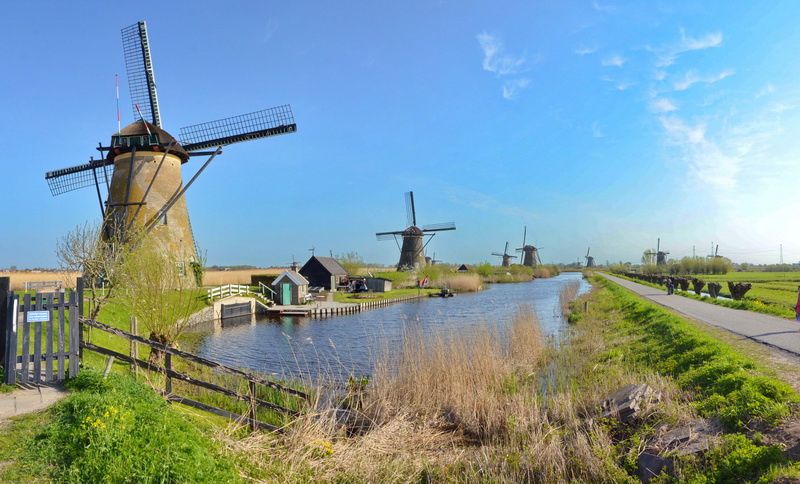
(139, 128)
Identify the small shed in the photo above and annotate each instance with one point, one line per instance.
(290, 288)
(379, 284)
(463, 268)
(324, 272)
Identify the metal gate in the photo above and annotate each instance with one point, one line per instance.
(41, 336)
(233, 310)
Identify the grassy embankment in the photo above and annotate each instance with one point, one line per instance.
(462, 407)
(768, 296)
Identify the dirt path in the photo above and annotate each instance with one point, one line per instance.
(24, 401)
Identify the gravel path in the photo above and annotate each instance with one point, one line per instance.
(770, 330)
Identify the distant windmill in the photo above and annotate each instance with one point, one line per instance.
(433, 260)
(293, 265)
(715, 253)
(661, 256)
(589, 259)
(530, 253)
(412, 252)
(506, 256)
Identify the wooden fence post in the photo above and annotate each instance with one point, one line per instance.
(5, 289)
(168, 368)
(252, 413)
(134, 344)
(79, 339)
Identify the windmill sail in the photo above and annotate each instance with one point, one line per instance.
(439, 227)
(411, 211)
(77, 177)
(259, 124)
(141, 78)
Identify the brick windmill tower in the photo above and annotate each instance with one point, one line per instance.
(141, 168)
(530, 253)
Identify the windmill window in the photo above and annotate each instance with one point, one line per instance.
(153, 139)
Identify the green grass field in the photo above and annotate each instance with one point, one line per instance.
(768, 287)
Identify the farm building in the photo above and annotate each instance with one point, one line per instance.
(463, 268)
(290, 288)
(324, 272)
(379, 284)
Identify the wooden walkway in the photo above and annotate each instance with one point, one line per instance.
(330, 309)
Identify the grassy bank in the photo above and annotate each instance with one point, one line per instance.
(113, 430)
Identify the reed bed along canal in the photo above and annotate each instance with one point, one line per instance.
(295, 347)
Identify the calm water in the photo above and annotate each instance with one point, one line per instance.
(344, 345)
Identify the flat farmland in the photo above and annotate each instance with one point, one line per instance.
(19, 278)
(242, 276)
(769, 287)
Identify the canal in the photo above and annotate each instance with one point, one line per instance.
(295, 347)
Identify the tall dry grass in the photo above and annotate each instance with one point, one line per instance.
(568, 294)
(19, 278)
(471, 406)
(542, 272)
(218, 278)
(461, 282)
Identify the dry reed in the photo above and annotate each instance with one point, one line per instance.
(19, 278)
(568, 294)
(218, 278)
(461, 282)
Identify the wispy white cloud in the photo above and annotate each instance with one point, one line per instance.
(585, 50)
(667, 55)
(660, 75)
(692, 77)
(597, 130)
(662, 105)
(619, 85)
(614, 60)
(495, 59)
(707, 164)
(603, 8)
(765, 91)
(504, 65)
(512, 86)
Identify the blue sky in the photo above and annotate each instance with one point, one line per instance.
(601, 123)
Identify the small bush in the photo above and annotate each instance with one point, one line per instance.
(118, 430)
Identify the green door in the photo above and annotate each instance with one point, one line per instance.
(286, 293)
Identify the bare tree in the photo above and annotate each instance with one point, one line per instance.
(97, 257)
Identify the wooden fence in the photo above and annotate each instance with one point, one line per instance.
(171, 374)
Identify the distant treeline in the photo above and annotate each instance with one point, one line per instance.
(687, 265)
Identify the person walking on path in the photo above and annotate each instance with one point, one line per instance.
(797, 306)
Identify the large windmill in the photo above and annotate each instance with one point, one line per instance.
(412, 252)
(589, 259)
(530, 253)
(661, 256)
(141, 168)
(506, 256)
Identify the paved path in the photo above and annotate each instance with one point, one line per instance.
(770, 330)
(24, 401)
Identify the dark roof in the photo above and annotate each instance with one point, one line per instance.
(138, 128)
(331, 265)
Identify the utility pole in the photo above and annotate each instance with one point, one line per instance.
(694, 255)
(781, 254)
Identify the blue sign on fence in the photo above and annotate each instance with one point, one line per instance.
(38, 316)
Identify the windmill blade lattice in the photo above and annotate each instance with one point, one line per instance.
(259, 124)
(139, 68)
(77, 177)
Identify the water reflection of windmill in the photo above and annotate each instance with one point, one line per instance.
(530, 253)
(506, 256)
(145, 189)
(412, 252)
(589, 259)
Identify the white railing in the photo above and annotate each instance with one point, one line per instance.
(227, 290)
